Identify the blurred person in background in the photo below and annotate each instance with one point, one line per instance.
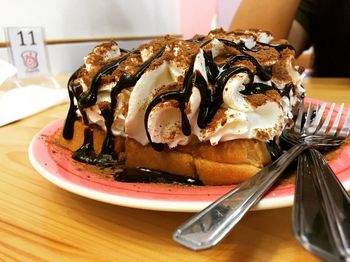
(323, 24)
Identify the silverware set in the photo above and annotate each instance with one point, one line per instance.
(321, 211)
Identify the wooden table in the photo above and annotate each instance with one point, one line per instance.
(41, 222)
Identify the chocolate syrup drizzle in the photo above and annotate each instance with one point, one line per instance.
(211, 98)
(86, 153)
(71, 116)
(89, 99)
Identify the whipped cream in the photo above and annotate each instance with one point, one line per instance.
(242, 113)
(238, 117)
(95, 60)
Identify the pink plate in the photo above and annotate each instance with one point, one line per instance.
(55, 164)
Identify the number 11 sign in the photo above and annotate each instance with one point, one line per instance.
(28, 51)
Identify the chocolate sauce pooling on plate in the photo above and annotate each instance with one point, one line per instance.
(144, 175)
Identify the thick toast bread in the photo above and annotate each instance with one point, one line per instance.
(228, 162)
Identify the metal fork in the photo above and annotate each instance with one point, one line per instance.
(212, 224)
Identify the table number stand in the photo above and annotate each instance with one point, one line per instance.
(27, 52)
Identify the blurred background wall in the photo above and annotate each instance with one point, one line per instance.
(199, 16)
(73, 27)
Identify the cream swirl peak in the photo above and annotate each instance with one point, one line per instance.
(216, 88)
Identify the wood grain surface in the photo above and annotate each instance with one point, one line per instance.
(41, 222)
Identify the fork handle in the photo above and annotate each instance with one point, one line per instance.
(209, 226)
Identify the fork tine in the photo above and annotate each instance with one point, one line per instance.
(335, 125)
(325, 124)
(317, 107)
(316, 122)
(308, 118)
(298, 121)
(345, 131)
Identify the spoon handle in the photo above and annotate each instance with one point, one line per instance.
(321, 213)
(209, 226)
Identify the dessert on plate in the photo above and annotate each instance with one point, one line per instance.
(207, 108)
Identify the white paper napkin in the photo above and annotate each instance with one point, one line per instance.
(21, 102)
(6, 71)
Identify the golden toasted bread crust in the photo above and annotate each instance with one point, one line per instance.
(98, 137)
(228, 162)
